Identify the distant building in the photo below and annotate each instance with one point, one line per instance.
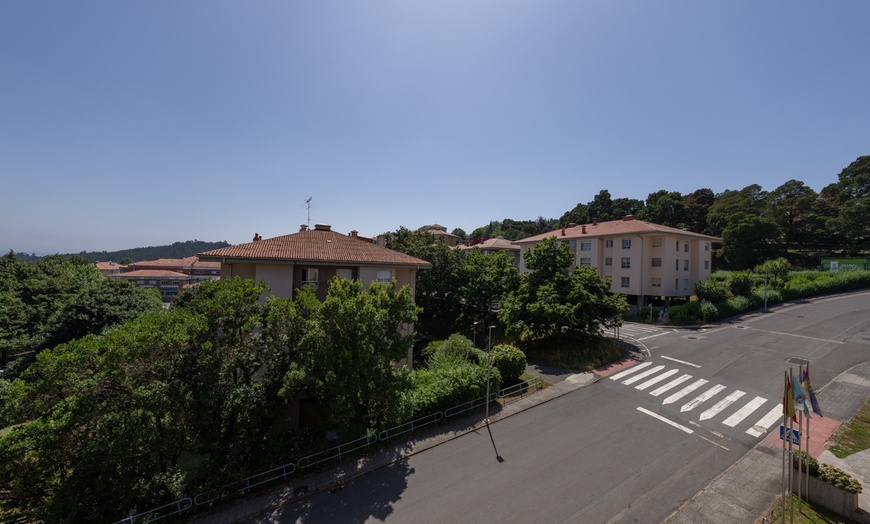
(169, 275)
(493, 245)
(642, 259)
(441, 234)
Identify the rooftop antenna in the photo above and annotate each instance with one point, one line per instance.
(308, 202)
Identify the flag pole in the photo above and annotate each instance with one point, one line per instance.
(800, 460)
(790, 460)
(809, 387)
(784, 429)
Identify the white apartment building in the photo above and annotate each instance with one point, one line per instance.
(640, 258)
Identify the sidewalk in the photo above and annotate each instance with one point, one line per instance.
(744, 491)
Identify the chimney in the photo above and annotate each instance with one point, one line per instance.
(626, 218)
(594, 221)
(353, 233)
(563, 231)
(322, 227)
(303, 227)
(257, 237)
(584, 229)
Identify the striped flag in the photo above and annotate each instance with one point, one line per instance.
(788, 400)
(800, 398)
(809, 390)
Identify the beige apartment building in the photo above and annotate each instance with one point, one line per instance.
(640, 258)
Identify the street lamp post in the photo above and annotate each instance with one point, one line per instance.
(488, 368)
(474, 333)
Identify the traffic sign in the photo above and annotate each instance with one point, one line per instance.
(795, 435)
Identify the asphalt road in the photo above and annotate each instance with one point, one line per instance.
(629, 448)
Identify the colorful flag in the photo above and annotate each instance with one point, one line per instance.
(809, 390)
(788, 400)
(800, 398)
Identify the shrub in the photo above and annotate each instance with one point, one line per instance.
(690, 311)
(806, 461)
(456, 347)
(509, 361)
(712, 291)
(447, 383)
(709, 311)
(810, 283)
(773, 297)
(741, 283)
(839, 478)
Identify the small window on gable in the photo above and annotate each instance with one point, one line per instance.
(385, 276)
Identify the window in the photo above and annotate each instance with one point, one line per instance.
(626, 282)
(626, 243)
(385, 276)
(626, 262)
(678, 246)
(686, 265)
(164, 282)
(586, 245)
(686, 283)
(608, 261)
(608, 243)
(677, 265)
(676, 284)
(706, 246)
(585, 261)
(686, 247)
(657, 242)
(706, 264)
(309, 277)
(572, 245)
(152, 282)
(656, 282)
(656, 262)
(174, 282)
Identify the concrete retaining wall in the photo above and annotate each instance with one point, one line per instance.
(829, 497)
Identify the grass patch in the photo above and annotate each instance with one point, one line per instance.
(803, 514)
(854, 436)
(572, 352)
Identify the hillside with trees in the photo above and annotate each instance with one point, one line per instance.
(792, 220)
(137, 254)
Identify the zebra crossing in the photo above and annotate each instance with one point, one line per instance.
(642, 331)
(696, 393)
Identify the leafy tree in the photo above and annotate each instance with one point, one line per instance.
(459, 232)
(748, 236)
(553, 299)
(436, 288)
(578, 215)
(699, 203)
(791, 207)
(483, 281)
(601, 207)
(667, 208)
(626, 206)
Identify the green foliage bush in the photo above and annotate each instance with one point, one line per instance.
(684, 313)
(709, 311)
(826, 473)
(456, 347)
(509, 360)
(447, 383)
(712, 291)
(811, 283)
(741, 283)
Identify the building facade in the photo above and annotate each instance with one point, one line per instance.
(640, 258)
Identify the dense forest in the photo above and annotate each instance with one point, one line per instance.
(136, 254)
(755, 224)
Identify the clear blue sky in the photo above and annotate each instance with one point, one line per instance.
(126, 124)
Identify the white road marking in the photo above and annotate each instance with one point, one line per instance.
(630, 370)
(681, 361)
(685, 391)
(766, 421)
(700, 399)
(670, 385)
(722, 404)
(643, 375)
(656, 380)
(654, 336)
(666, 421)
(745, 411)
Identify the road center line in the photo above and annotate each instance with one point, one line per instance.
(681, 361)
(798, 336)
(666, 421)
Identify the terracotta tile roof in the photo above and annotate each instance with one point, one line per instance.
(493, 243)
(153, 273)
(107, 266)
(614, 228)
(316, 246)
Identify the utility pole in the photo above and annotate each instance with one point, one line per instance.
(308, 203)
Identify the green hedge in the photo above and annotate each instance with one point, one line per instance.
(510, 362)
(447, 383)
(811, 283)
(826, 473)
